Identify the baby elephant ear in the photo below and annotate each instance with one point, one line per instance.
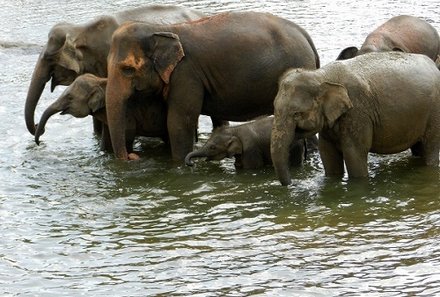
(235, 147)
(348, 53)
(167, 54)
(335, 101)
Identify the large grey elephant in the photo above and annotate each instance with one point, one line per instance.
(72, 50)
(378, 102)
(402, 33)
(248, 143)
(225, 66)
(86, 96)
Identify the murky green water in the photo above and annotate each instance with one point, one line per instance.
(74, 221)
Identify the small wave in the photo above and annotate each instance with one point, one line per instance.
(13, 45)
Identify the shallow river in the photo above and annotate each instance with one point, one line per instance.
(74, 221)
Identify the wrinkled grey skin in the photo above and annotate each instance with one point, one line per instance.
(248, 143)
(371, 103)
(72, 50)
(86, 96)
(225, 66)
(401, 33)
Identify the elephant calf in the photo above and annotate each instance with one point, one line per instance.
(378, 102)
(86, 96)
(249, 143)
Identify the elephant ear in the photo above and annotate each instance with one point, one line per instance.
(67, 56)
(235, 147)
(96, 99)
(168, 52)
(335, 101)
(348, 53)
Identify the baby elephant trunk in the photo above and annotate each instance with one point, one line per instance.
(195, 154)
(54, 108)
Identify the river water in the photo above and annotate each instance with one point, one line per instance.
(76, 222)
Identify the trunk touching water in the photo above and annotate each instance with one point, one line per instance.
(283, 133)
(195, 154)
(40, 76)
(54, 108)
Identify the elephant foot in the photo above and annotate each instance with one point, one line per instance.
(133, 157)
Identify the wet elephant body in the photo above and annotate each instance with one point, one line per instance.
(72, 50)
(401, 33)
(371, 103)
(248, 143)
(225, 66)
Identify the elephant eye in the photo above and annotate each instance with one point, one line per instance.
(128, 70)
(212, 147)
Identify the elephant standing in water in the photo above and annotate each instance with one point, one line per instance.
(378, 102)
(248, 143)
(86, 96)
(72, 50)
(401, 33)
(225, 66)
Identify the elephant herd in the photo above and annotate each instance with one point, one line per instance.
(152, 71)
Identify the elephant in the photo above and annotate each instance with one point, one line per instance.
(72, 50)
(248, 143)
(401, 33)
(225, 66)
(86, 96)
(383, 103)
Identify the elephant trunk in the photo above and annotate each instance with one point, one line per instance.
(40, 76)
(195, 154)
(283, 133)
(117, 93)
(54, 108)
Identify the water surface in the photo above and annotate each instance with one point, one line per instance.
(74, 221)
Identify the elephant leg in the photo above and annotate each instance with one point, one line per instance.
(105, 143)
(184, 107)
(298, 153)
(97, 126)
(356, 161)
(417, 149)
(431, 148)
(331, 158)
(249, 161)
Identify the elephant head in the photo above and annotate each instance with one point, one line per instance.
(92, 44)
(85, 96)
(57, 62)
(305, 104)
(222, 144)
(138, 61)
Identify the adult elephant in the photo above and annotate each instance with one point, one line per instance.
(72, 50)
(86, 96)
(402, 33)
(371, 103)
(225, 66)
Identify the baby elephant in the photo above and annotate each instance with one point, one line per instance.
(86, 96)
(249, 143)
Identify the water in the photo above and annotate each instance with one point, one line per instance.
(74, 221)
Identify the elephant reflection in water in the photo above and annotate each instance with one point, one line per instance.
(72, 50)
